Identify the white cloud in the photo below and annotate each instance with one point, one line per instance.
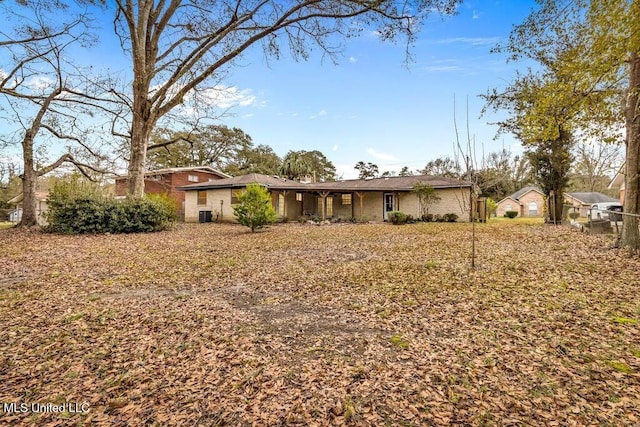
(381, 156)
(228, 96)
(353, 59)
(335, 148)
(39, 83)
(473, 41)
(345, 171)
(320, 113)
(442, 68)
(476, 15)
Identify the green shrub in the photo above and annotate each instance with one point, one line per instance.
(574, 215)
(450, 217)
(427, 217)
(77, 207)
(511, 214)
(438, 218)
(254, 208)
(397, 217)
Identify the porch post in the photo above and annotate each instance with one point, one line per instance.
(324, 195)
(284, 198)
(360, 196)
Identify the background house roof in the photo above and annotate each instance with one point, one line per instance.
(394, 183)
(40, 195)
(165, 171)
(521, 192)
(588, 198)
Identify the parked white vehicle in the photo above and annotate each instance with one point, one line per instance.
(599, 210)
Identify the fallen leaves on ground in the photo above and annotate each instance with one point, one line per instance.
(334, 325)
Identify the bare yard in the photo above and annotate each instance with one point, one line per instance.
(346, 324)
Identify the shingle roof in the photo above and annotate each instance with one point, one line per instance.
(394, 183)
(524, 191)
(592, 197)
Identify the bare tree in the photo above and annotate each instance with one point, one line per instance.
(181, 49)
(45, 96)
(595, 164)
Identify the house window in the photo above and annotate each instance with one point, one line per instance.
(346, 199)
(281, 204)
(234, 196)
(193, 178)
(298, 197)
(202, 197)
(533, 209)
(328, 204)
(507, 208)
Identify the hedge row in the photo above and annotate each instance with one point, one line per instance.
(78, 214)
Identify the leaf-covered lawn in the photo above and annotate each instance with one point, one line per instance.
(345, 324)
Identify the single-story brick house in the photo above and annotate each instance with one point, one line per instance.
(527, 201)
(583, 201)
(167, 181)
(357, 198)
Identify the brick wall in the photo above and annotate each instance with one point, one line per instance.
(527, 207)
(167, 184)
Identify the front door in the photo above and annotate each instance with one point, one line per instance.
(389, 204)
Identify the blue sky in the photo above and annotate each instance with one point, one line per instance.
(373, 107)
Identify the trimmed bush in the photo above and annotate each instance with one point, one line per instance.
(574, 215)
(254, 208)
(511, 214)
(450, 217)
(77, 208)
(397, 217)
(427, 217)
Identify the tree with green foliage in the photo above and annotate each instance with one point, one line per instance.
(443, 166)
(427, 196)
(254, 209)
(320, 168)
(366, 170)
(294, 166)
(260, 159)
(492, 207)
(593, 47)
(214, 145)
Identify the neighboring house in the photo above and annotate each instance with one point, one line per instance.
(618, 182)
(372, 199)
(582, 201)
(167, 181)
(527, 201)
(41, 207)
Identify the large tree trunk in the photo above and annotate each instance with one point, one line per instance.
(555, 207)
(29, 185)
(141, 127)
(630, 234)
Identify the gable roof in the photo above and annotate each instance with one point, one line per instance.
(521, 192)
(507, 199)
(394, 183)
(588, 198)
(40, 195)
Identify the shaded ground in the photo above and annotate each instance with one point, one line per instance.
(346, 324)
